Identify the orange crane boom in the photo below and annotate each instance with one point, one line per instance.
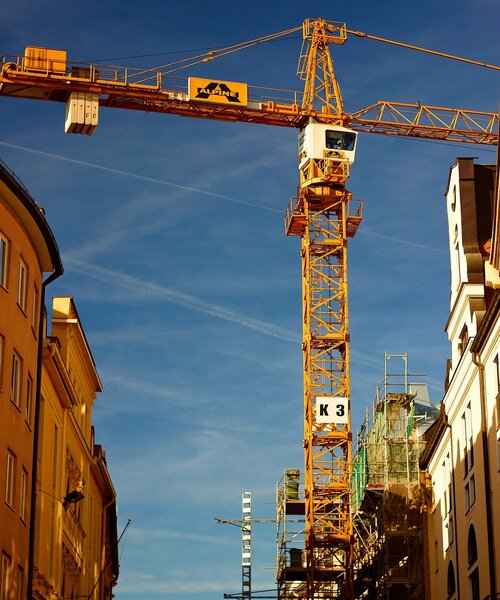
(37, 75)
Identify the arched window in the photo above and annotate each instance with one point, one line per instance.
(474, 592)
(463, 340)
(451, 588)
(471, 547)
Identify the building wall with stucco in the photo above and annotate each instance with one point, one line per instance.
(461, 460)
(27, 251)
(76, 542)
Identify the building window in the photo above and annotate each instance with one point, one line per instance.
(451, 585)
(497, 374)
(34, 314)
(467, 440)
(454, 199)
(471, 547)
(447, 497)
(4, 567)
(497, 380)
(472, 559)
(15, 382)
(463, 340)
(2, 345)
(24, 494)
(20, 582)
(447, 510)
(4, 250)
(456, 258)
(10, 479)
(29, 400)
(449, 528)
(474, 585)
(470, 493)
(22, 285)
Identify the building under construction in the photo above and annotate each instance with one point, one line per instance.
(386, 495)
(291, 572)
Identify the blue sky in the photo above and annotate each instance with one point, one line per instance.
(171, 233)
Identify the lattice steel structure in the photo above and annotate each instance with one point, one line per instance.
(291, 574)
(246, 545)
(324, 215)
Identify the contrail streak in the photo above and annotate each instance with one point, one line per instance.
(198, 191)
(145, 289)
(401, 241)
(177, 186)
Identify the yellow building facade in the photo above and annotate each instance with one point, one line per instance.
(58, 535)
(27, 251)
(76, 540)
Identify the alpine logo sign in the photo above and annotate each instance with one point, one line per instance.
(332, 409)
(218, 92)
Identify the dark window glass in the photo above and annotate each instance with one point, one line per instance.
(451, 579)
(474, 585)
(339, 140)
(3, 261)
(472, 546)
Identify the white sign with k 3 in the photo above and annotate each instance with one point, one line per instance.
(332, 409)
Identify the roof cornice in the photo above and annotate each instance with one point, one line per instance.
(31, 216)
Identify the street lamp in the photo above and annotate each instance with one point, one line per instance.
(72, 497)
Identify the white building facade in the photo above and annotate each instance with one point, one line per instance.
(462, 461)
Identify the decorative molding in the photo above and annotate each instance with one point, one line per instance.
(70, 566)
(74, 475)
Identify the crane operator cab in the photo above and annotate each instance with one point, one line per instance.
(318, 141)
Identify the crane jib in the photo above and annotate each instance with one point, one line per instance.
(45, 76)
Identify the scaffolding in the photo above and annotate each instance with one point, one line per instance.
(291, 573)
(386, 496)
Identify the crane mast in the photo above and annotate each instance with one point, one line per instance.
(323, 218)
(321, 89)
(323, 214)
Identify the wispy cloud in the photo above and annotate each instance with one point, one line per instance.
(140, 288)
(148, 534)
(138, 583)
(155, 180)
(402, 241)
(110, 239)
(133, 386)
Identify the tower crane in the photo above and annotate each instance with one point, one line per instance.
(323, 214)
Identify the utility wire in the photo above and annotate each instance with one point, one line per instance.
(173, 52)
(362, 34)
